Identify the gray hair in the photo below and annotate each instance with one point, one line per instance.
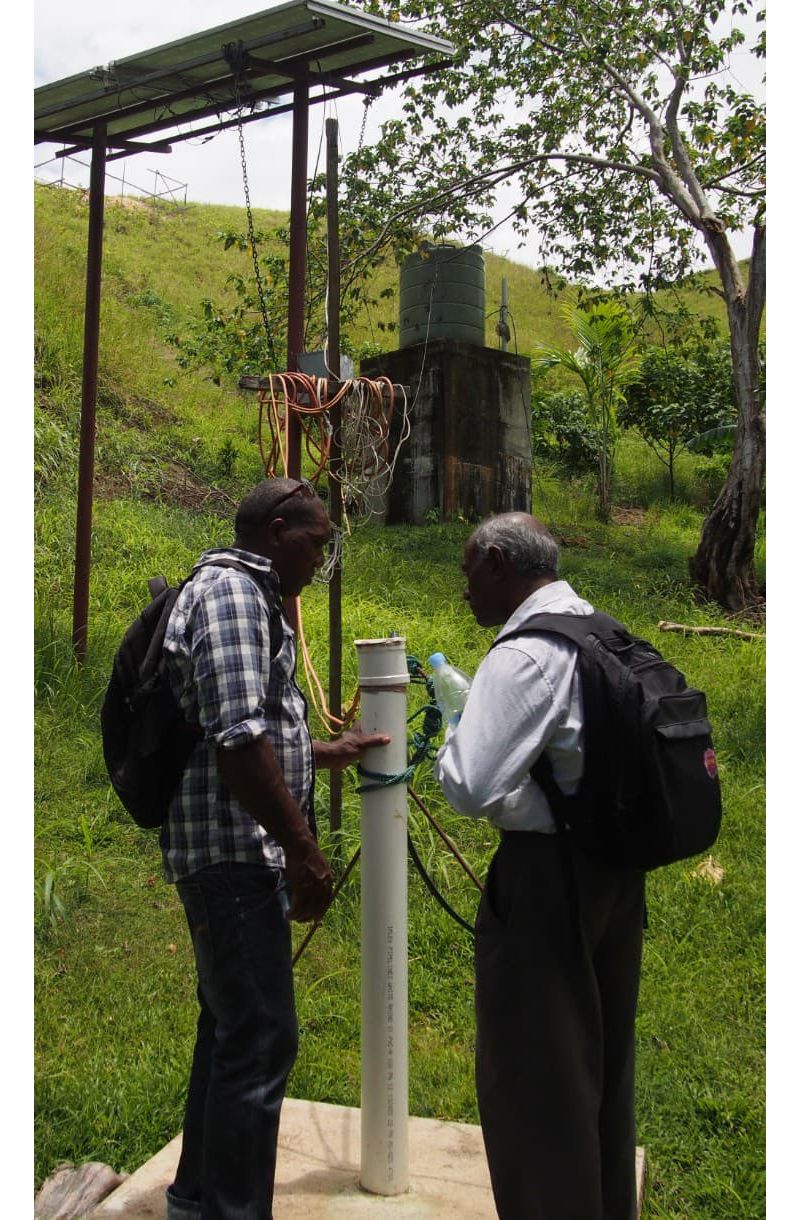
(528, 544)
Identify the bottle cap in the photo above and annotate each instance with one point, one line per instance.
(436, 659)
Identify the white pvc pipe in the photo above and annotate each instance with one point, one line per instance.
(383, 678)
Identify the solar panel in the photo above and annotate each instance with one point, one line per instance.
(256, 61)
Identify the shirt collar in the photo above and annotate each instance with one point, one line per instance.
(262, 569)
(558, 597)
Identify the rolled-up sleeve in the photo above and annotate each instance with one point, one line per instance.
(230, 658)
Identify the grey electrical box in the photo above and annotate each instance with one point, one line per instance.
(313, 363)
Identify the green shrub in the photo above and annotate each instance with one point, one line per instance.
(710, 473)
(562, 432)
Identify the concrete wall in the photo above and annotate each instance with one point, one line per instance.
(469, 452)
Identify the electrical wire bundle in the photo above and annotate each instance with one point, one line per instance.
(367, 408)
(316, 691)
(366, 469)
(364, 466)
(293, 393)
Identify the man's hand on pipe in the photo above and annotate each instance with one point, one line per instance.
(347, 749)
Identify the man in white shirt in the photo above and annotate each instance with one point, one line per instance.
(558, 939)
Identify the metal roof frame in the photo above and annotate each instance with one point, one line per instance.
(261, 56)
(305, 50)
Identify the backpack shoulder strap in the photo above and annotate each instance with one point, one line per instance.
(236, 564)
(166, 599)
(570, 626)
(275, 611)
(578, 629)
(575, 627)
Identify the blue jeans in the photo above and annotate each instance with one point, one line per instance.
(246, 1043)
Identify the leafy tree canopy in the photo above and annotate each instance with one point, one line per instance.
(618, 120)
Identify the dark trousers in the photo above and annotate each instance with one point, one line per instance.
(246, 1042)
(556, 992)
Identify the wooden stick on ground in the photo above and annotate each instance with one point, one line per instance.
(444, 837)
(687, 630)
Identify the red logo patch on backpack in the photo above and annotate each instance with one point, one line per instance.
(710, 763)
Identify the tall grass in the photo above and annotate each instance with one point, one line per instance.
(115, 1005)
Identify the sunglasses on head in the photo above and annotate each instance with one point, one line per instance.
(304, 487)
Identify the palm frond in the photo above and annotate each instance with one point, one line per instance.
(723, 431)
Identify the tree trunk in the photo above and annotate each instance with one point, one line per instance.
(606, 466)
(671, 467)
(723, 564)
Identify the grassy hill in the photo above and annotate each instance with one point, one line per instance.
(155, 252)
(159, 425)
(114, 973)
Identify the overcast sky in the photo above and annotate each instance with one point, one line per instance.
(86, 33)
(71, 38)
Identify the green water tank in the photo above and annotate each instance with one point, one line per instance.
(443, 295)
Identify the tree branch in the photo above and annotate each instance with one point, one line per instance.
(676, 25)
(740, 194)
(494, 177)
(738, 169)
(757, 282)
(520, 29)
(668, 179)
(647, 113)
(687, 630)
(685, 169)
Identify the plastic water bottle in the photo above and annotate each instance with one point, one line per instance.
(450, 686)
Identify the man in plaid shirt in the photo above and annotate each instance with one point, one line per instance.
(239, 841)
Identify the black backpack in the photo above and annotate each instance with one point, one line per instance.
(146, 738)
(650, 792)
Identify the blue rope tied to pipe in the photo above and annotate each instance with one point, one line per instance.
(382, 780)
(421, 747)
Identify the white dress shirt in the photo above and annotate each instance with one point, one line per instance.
(525, 698)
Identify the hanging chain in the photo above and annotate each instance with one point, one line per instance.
(236, 62)
(368, 100)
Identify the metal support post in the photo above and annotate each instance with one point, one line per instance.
(334, 486)
(504, 314)
(295, 340)
(295, 327)
(91, 340)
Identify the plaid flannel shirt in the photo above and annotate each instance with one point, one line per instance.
(217, 649)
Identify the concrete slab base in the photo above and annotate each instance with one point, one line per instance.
(319, 1152)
